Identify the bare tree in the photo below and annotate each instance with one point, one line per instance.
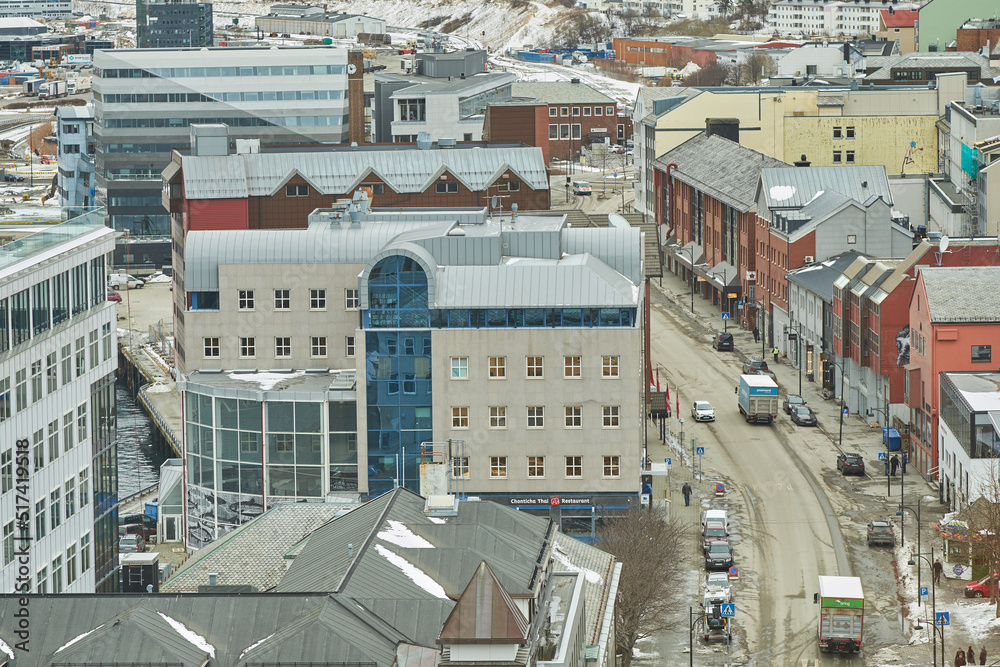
(984, 526)
(757, 65)
(711, 74)
(651, 551)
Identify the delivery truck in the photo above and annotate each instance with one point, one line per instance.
(758, 398)
(31, 86)
(841, 603)
(78, 85)
(52, 89)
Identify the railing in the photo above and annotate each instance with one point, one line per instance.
(159, 421)
(138, 494)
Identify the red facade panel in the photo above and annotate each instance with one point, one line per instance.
(217, 214)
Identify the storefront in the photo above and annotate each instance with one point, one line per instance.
(578, 516)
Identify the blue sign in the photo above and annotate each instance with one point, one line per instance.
(846, 412)
(923, 591)
(699, 451)
(728, 610)
(958, 570)
(882, 456)
(667, 461)
(942, 618)
(725, 316)
(739, 303)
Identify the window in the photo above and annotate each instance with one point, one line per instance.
(574, 466)
(564, 131)
(67, 366)
(68, 431)
(245, 299)
(576, 111)
(574, 416)
(536, 466)
(81, 422)
(7, 467)
(53, 440)
(553, 112)
(498, 416)
(40, 524)
(349, 345)
(211, 347)
(71, 564)
(376, 188)
(536, 416)
(51, 374)
(296, 190)
(55, 505)
(571, 367)
(84, 488)
(38, 450)
(351, 299)
(981, 354)
(36, 381)
(317, 346)
(81, 356)
(413, 110)
(612, 466)
(460, 417)
(84, 553)
(8, 543)
(42, 580)
(21, 388)
(498, 467)
(553, 131)
(448, 187)
(564, 111)
(70, 495)
(609, 365)
(576, 131)
(598, 111)
(837, 157)
(459, 368)
(586, 111)
(498, 368)
(509, 186)
(850, 157)
(850, 131)
(838, 132)
(611, 416)
(317, 299)
(610, 111)
(534, 367)
(248, 347)
(5, 411)
(282, 347)
(460, 467)
(282, 299)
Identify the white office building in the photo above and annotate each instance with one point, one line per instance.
(40, 9)
(840, 18)
(76, 158)
(58, 484)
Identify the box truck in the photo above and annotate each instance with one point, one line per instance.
(841, 614)
(78, 85)
(31, 86)
(52, 89)
(758, 398)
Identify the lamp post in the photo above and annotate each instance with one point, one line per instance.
(930, 562)
(690, 250)
(888, 462)
(902, 534)
(840, 365)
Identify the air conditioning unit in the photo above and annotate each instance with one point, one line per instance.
(809, 259)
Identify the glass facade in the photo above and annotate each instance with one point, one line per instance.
(105, 466)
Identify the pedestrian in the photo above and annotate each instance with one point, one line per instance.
(756, 335)
(971, 655)
(893, 463)
(776, 353)
(906, 458)
(960, 658)
(686, 490)
(938, 569)
(982, 655)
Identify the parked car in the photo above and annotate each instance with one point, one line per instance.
(116, 280)
(791, 402)
(714, 515)
(702, 411)
(754, 364)
(881, 533)
(582, 188)
(11, 177)
(114, 296)
(804, 416)
(723, 342)
(764, 371)
(719, 556)
(131, 544)
(984, 588)
(851, 464)
(717, 585)
(715, 531)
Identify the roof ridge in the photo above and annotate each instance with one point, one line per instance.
(368, 541)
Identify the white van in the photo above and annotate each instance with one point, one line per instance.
(714, 515)
(117, 280)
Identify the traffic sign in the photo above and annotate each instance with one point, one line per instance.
(739, 304)
(882, 456)
(700, 451)
(728, 610)
(846, 412)
(720, 489)
(734, 573)
(725, 316)
(923, 591)
(942, 618)
(667, 461)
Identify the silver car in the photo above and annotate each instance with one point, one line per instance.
(702, 411)
(131, 544)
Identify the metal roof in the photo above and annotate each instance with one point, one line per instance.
(339, 172)
(794, 187)
(957, 60)
(819, 278)
(560, 92)
(962, 294)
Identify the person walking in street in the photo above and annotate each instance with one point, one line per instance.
(756, 335)
(686, 490)
(982, 655)
(776, 353)
(905, 459)
(893, 464)
(938, 569)
(971, 655)
(960, 658)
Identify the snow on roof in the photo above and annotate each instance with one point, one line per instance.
(196, 640)
(416, 575)
(267, 381)
(7, 649)
(591, 576)
(255, 645)
(66, 645)
(401, 536)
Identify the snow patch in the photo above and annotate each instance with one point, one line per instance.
(267, 381)
(72, 641)
(415, 574)
(254, 645)
(781, 192)
(4, 648)
(402, 536)
(815, 196)
(435, 519)
(197, 640)
(158, 389)
(588, 574)
(158, 278)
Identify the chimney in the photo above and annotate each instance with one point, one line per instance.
(213, 578)
(727, 128)
(802, 162)
(350, 550)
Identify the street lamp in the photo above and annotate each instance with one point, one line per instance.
(840, 365)
(930, 562)
(690, 250)
(902, 534)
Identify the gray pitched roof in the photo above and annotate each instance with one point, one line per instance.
(721, 168)
(560, 92)
(818, 278)
(962, 294)
(957, 60)
(794, 187)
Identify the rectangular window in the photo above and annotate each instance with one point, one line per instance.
(850, 131)
(5, 407)
(460, 417)
(95, 358)
(536, 416)
(70, 495)
(8, 543)
(7, 470)
(576, 111)
(611, 413)
(609, 365)
(36, 381)
(67, 364)
(248, 347)
(245, 298)
(317, 346)
(84, 553)
(838, 132)
(51, 372)
(612, 466)
(296, 190)
(837, 157)
(574, 416)
(106, 340)
(553, 112)
(609, 111)
(81, 356)
(564, 111)
(282, 347)
(981, 354)
(498, 416)
(571, 367)
(498, 467)
(70, 564)
(68, 441)
(448, 187)
(211, 347)
(351, 300)
(536, 466)
(564, 131)
(459, 368)
(55, 507)
(598, 111)
(53, 440)
(38, 449)
(40, 523)
(42, 583)
(534, 367)
(553, 131)
(21, 388)
(586, 111)
(574, 466)
(349, 345)
(282, 299)
(460, 467)
(81, 422)
(317, 299)
(849, 155)
(498, 368)
(576, 131)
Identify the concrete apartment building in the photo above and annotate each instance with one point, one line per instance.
(57, 410)
(334, 359)
(900, 26)
(39, 9)
(145, 100)
(174, 24)
(316, 21)
(833, 19)
(76, 158)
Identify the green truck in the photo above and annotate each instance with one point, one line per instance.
(841, 614)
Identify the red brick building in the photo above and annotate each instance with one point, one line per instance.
(977, 33)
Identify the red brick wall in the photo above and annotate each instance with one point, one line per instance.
(973, 39)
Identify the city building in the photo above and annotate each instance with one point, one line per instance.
(58, 450)
(337, 358)
(900, 26)
(940, 20)
(650, 102)
(969, 427)
(444, 95)
(843, 60)
(40, 9)
(976, 34)
(833, 19)
(21, 38)
(316, 21)
(146, 99)
(76, 158)
(923, 68)
(173, 24)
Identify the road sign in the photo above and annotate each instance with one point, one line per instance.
(882, 456)
(846, 412)
(923, 591)
(739, 304)
(667, 461)
(728, 610)
(958, 570)
(725, 316)
(720, 490)
(734, 573)
(942, 618)
(700, 451)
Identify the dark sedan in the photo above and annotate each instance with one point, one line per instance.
(719, 556)
(804, 416)
(791, 402)
(851, 464)
(881, 533)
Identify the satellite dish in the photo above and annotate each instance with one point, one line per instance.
(615, 220)
(943, 245)
(494, 202)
